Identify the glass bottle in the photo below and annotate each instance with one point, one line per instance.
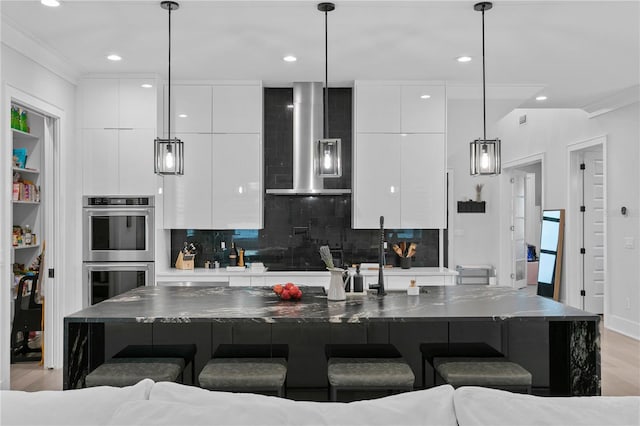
(27, 235)
(23, 121)
(233, 255)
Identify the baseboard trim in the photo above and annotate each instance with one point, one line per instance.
(623, 326)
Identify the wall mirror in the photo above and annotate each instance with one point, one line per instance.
(550, 262)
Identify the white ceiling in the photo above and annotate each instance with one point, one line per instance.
(575, 52)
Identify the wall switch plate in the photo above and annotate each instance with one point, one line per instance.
(629, 243)
(223, 245)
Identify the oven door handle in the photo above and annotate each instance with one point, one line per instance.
(119, 211)
(117, 266)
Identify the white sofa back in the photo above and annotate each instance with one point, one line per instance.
(91, 406)
(173, 404)
(165, 403)
(477, 406)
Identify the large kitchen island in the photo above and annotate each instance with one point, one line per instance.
(558, 344)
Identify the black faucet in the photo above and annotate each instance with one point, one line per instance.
(380, 285)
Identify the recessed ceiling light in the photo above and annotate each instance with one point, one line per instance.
(114, 57)
(182, 115)
(541, 98)
(50, 3)
(463, 59)
(425, 96)
(289, 58)
(146, 86)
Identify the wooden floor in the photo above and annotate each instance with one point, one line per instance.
(620, 357)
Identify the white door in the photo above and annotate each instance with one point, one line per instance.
(593, 232)
(518, 243)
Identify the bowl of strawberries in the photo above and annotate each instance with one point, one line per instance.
(288, 291)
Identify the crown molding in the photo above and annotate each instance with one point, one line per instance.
(617, 100)
(38, 51)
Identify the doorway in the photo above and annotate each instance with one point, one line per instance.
(522, 191)
(32, 182)
(587, 231)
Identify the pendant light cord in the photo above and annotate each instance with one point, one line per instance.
(326, 77)
(169, 100)
(484, 93)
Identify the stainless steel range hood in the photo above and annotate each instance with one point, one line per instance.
(307, 129)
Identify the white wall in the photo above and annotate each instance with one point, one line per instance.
(474, 236)
(551, 131)
(35, 80)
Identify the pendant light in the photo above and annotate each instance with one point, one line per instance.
(328, 154)
(484, 153)
(169, 152)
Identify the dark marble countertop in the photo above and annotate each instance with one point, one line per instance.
(260, 304)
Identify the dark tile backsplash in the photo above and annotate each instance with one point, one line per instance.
(296, 226)
(294, 229)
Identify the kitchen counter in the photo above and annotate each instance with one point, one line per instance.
(557, 343)
(395, 278)
(260, 304)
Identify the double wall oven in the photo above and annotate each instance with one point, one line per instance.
(118, 245)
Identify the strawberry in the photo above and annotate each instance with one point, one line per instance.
(277, 289)
(288, 285)
(285, 295)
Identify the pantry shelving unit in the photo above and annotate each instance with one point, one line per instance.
(28, 203)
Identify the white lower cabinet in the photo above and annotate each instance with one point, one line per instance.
(313, 281)
(401, 282)
(239, 281)
(400, 177)
(118, 161)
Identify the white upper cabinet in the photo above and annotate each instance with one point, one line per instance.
(378, 108)
(118, 161)
(138, 106)
(399, 155)
(100, 161)
(402, 178)
(237, 109)
(400, 108)
(222, 134)
(237, 181)
(377, 182)
(423, 180)
(135, 165)
(100, 103)
(119, 124)
(191, 108)
(111, 103)
(188, 198)
(423, 109)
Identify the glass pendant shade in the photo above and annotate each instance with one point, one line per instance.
(328, 158)
(485, 157)
(169, 156)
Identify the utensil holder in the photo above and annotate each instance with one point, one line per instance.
(405, 262)
(336, 285)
